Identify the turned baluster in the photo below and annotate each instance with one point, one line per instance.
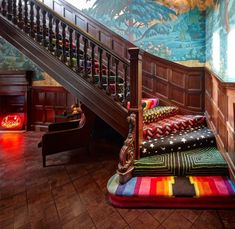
(26, 27)
(20, 15)
(14, 9)
(100, 51)
(78, 51)
(116, 79)
(92, 61)
(57, 37)
(38, 28)
(4, 12)
(71, 47)
(50, 32)
(63, 57)
(85, 44)
(32, 32)
(44, 28)
(108, 73)
(9, 9)
(125, 85)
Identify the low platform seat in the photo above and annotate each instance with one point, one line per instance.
(67, 135)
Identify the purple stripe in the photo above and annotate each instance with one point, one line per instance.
(120, 189)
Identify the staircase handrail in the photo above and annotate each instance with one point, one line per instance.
(52, 26)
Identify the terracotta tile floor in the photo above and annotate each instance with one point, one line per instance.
(71, 192)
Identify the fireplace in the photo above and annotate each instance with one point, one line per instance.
(14, 100)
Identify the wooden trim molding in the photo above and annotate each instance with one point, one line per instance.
(220, 112)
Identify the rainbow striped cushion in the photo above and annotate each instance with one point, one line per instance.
(147, 103)
(170, 186)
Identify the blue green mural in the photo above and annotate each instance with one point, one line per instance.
(13, 59)
(169, 29)
(220, 39)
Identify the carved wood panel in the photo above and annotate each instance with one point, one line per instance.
(220, 111)
(48, 101)
(174, 84)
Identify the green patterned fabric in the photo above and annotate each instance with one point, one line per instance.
(159, 113)
(200, 161)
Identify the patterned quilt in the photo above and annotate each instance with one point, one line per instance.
(184, 140)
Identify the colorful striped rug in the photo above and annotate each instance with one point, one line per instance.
(170, 191)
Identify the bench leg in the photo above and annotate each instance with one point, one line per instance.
(44, 160)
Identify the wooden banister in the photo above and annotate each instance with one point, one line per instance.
(131, 148)
(75, 48)
(77, 60)
(64, 40)
(136, 95)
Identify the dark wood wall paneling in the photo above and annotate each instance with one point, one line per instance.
(174, 84)
(46, 103)
(220, 112)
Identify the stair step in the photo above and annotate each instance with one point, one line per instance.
(170, 191)
(184, 140)
(200, 161)
(172, 124)
(158, 113)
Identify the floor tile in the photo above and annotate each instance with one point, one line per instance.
(71, 192)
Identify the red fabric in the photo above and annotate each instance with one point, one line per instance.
(172, 125)
(172, 202)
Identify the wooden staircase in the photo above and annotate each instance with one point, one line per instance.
(106, 82)
(41, 34)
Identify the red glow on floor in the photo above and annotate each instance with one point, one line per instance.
(11, 143)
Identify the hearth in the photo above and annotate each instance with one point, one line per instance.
(14, 100)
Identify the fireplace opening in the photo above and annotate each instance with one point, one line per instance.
(14, 100)
(12, 112)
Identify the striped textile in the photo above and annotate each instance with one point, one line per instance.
(173, 124)
(170, 186)
(147, 103)
(158, 113)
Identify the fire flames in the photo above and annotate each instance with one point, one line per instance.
(12, 121)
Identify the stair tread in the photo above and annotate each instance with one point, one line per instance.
(172, 124)
(199, 161)
(184, 140)
(169, 191)
(158, 113)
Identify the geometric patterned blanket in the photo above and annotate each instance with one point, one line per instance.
(184, 140)
(172, 124)
(170, 186)
(199, 161)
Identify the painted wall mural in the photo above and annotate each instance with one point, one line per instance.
(220, 37)
(173, 30)
(12, 59)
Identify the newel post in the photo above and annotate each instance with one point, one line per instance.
(131, 148)
(136, 95)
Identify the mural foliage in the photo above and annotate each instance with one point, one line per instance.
(173, 30)
(220, 20)
(12, 59)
